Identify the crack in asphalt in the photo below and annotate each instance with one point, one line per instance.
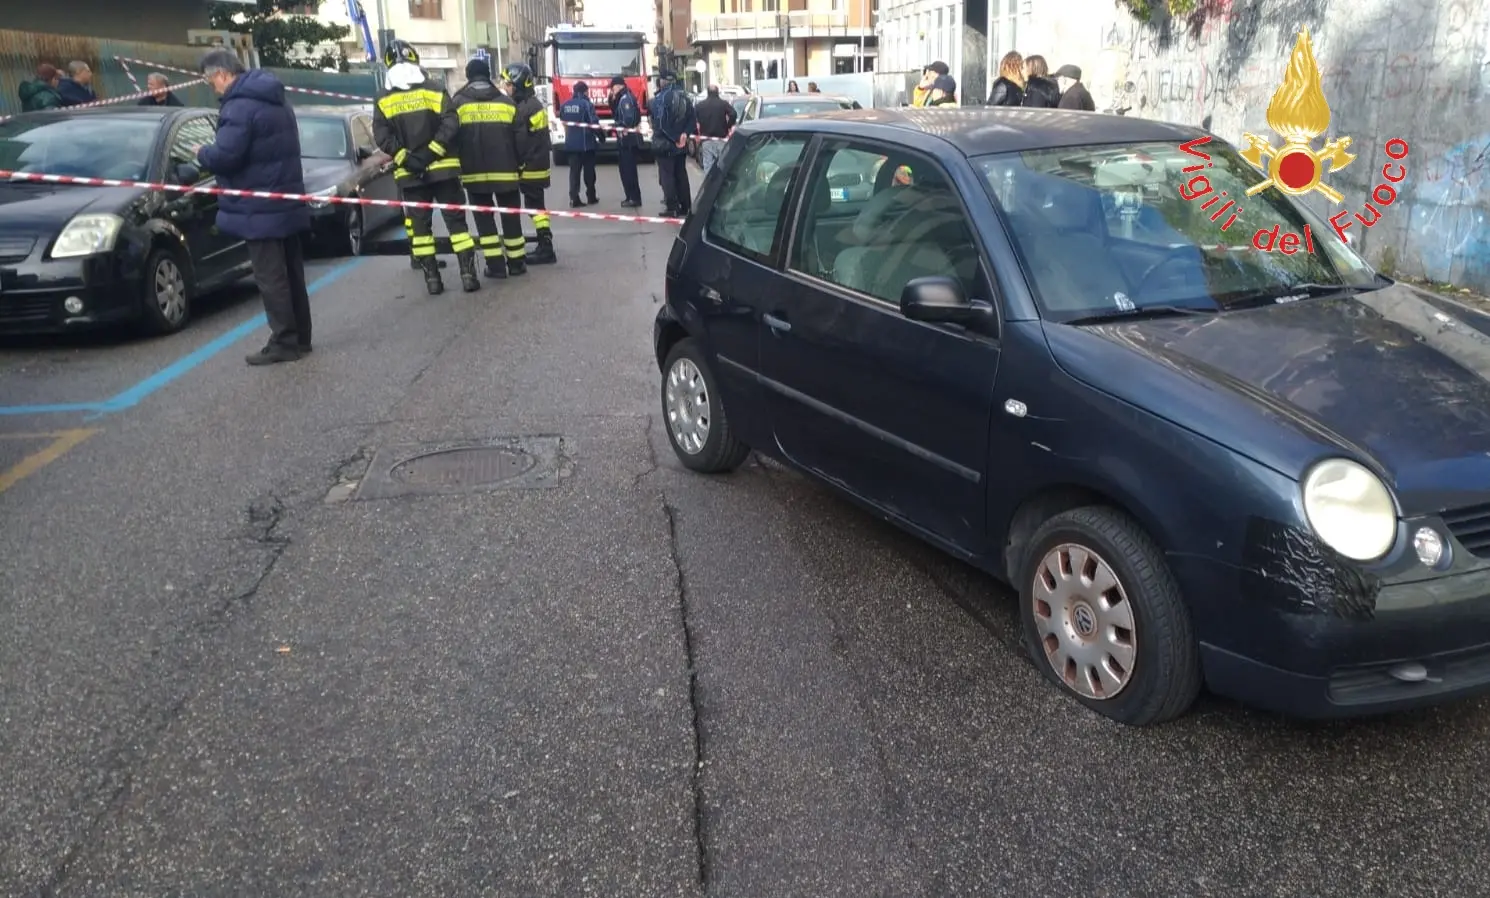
(695, 780)
(122, 763)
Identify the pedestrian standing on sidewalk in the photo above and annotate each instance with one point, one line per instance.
(716, 119)
(258, 148)
(673, 123)
(627, 114)
(581, 142)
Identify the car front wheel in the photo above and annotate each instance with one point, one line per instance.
(167, 290)
(696, 424)
(1104, 619)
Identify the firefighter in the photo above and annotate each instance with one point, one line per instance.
(489, 164)
(537, 150)
(416, 124)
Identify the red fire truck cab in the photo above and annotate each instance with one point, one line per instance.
(577, 53)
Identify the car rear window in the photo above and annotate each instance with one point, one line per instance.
(778, 108)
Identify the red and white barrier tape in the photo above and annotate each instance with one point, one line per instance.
(112, 100)
(619, 130)
(342, 200)
(127, 73)
(326, 93)
(299, 90)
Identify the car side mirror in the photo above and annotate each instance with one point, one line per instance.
(188, 173)
(941, 299)
(364, 154)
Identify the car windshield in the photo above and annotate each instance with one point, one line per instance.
(84, 147)
(595, 59)
(323, 138)
(1106, 229)
(776, 108)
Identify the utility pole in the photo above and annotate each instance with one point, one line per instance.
(863, 26)
(785, 22)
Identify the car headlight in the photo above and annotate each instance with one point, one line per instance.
(329, 191)
(86, 235)
(1350, 509)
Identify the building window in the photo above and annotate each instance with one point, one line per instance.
(425, 9)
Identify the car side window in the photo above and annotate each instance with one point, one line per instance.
(746, 216)
(189, 135)
(362, 133)
(878, 218)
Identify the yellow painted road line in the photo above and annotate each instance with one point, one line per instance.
(63, 442)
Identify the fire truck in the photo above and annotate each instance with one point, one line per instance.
(575, 53)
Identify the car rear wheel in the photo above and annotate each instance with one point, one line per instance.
(167, 292)
(1104, 620)
(696, 423)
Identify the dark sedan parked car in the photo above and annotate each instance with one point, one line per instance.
(340, 159)
(78, 257)
(1195, 461)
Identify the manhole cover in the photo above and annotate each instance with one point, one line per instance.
(502, 463)
(454, 468)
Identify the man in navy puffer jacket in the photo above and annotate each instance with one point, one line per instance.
(258, 148)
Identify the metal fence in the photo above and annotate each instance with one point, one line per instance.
(22, 51)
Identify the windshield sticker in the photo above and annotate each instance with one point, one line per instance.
(1299, 113)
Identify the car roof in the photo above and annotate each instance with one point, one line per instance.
(797, 98)
(987, 129)
(331, 109)
(155, 111)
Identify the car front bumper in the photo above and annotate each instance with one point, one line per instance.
(34, 293)
(1418, 644)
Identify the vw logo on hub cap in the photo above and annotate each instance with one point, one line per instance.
(1083, 619)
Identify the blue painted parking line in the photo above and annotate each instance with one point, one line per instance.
(132, 396)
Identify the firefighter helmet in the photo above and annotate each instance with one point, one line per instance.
(521, 78)
(398, 52)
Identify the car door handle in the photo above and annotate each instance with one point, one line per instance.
(712, 295)
(780, 325)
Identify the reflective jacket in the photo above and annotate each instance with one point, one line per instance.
(418, 120)
(489, 157)
(537, 150)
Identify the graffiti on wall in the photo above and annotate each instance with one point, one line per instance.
(1420, 72)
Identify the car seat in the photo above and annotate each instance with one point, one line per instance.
(1060, 228)
(898, 236)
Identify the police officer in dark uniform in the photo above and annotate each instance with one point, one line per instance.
(489, 167)
(580, 142)
(416, 124)
(537, 152)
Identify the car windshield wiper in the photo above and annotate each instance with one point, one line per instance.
(1286, 294)
(1140, 313)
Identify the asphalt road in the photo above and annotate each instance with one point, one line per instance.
(618, 679)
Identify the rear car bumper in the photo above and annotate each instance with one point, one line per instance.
(1421, 643)
(33, 294)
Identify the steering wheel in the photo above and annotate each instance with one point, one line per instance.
(1172, 255)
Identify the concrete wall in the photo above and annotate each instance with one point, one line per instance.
(1419, 71)
(156, 21)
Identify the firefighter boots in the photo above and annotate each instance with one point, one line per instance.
(467, 262)
(517, 267)
(544, 254)
(496, 268)
(432, 280)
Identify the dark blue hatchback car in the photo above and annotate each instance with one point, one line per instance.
(1010, 333)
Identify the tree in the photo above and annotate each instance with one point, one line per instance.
(278, 31)
(1144, 10)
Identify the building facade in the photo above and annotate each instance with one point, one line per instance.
(163, 22)
(745, 41)
(969, 36)
(446, 32)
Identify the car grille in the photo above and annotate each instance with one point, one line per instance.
(15, 249)
(1471, 527)
(25, 310)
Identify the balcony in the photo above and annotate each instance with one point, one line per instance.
(763, 26)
